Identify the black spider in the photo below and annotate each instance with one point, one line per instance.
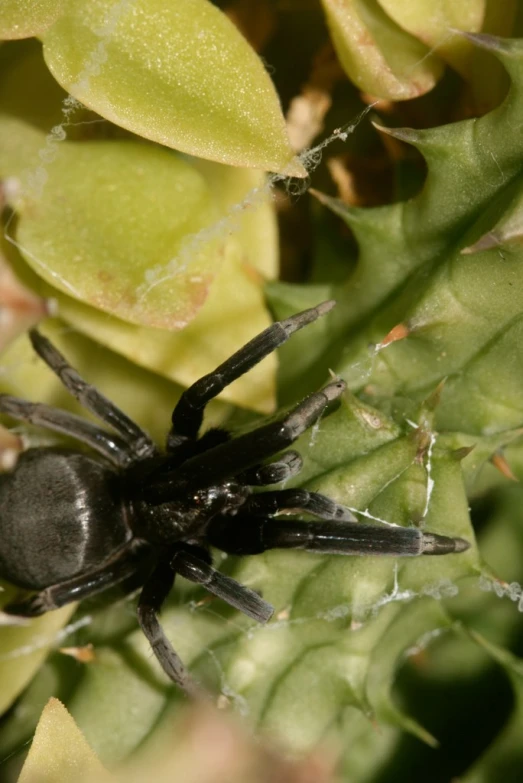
(73, 523)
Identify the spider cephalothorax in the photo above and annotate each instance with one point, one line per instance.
(74, 523)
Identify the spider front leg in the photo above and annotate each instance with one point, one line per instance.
(229, 459)
(283, 469)
(187, 416)
(242, 535)
(296, 500)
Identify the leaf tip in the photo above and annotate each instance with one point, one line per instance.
(461, 453)
(486, 242)
(491, 43)
(408, 135)
(398, 332)
(500, 462)
(294, 168)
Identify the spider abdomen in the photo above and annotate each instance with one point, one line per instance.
(59, 510)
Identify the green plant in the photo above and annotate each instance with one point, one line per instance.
(155, 258)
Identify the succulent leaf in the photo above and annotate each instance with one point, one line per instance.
(204, 92)
(377, 54)
(146, 227)
(24, 18)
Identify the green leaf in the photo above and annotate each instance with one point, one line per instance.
(461, 310)
(378, 55)
(113, 686)
(176, 73)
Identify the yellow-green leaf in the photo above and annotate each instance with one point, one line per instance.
(115, 224)
(178, 73)
(244, 197)
(377, 55)
(233, 313)
(25, 18)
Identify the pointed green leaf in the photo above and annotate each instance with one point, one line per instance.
(177, 73)
(116, 685)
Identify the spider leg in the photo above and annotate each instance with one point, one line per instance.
(296, 500)
(154, 593)
(234, 456)
(90, 398)
(188, 413)
(247, 601)
(128, 564)
(112, 447)
(285, 468)
(247, 536)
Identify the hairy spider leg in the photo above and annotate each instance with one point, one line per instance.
(137, 440)
(291, 500)
(242, 535)
(193, 568)
(126, 565)
(187, 416)
(283, 469)
(229, 459)
(110, 446)
(154, 593)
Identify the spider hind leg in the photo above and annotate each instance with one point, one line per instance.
(153, 594)
(138, 442)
